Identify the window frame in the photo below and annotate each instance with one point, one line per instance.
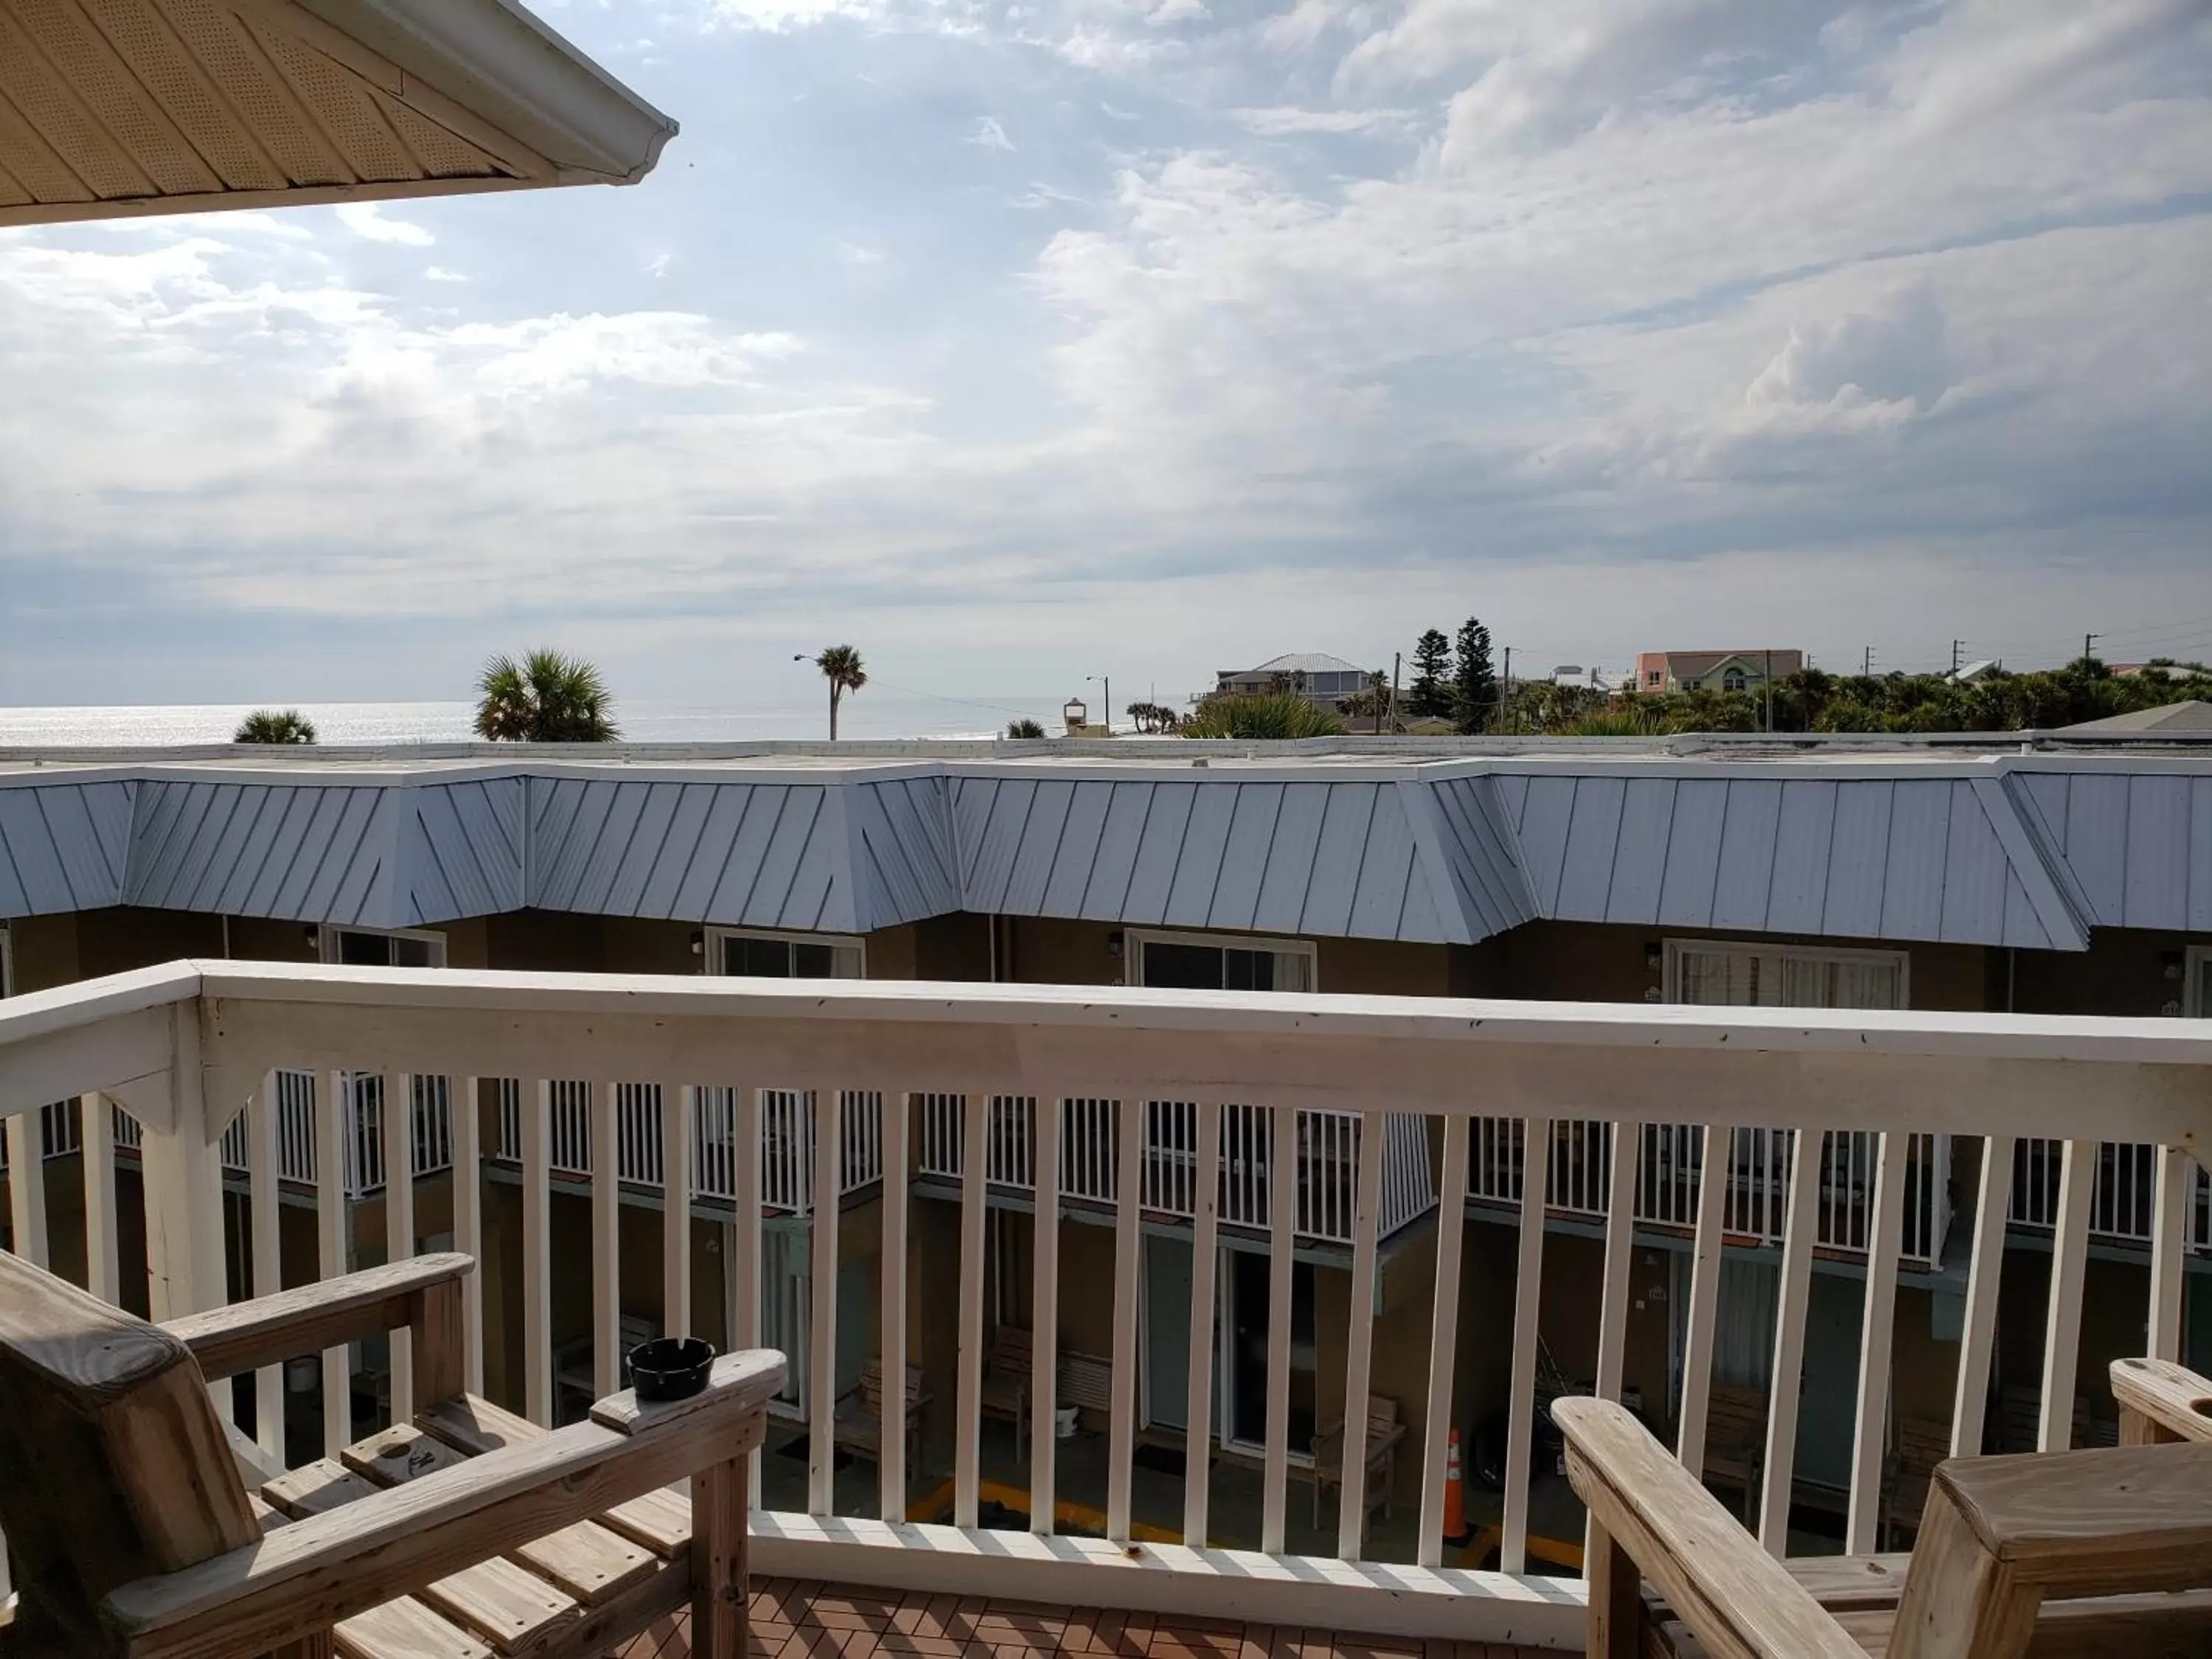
(1134, 940)
(2195, 981)
(6, 961)
(715, 936)
(327, 948)
(1671, 979)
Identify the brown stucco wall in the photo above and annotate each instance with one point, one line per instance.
(956, 947)
(2125, 971)
(548, 939)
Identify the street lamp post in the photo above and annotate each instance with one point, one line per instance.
(1105, 682)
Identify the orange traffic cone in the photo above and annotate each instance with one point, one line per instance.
(1456, 1532)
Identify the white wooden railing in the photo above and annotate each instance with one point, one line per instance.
(1327, 1156)
(182, 1047)
(1672, 1163)
(2124, 1201)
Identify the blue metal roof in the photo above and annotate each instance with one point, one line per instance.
(2017, 851)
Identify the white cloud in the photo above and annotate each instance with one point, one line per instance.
(853, 254)
(367, 220)
(987, 134)
(1285, 120)
(439, 274)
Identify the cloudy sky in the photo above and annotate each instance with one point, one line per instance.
(1015, 340)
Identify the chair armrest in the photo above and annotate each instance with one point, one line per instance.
(289, 1324)
(1735, 1597)
(305, 1576)
(2173, 1400)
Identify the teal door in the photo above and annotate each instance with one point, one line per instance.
(1828, 1400)
(1167, 1331)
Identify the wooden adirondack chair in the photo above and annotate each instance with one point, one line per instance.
(133, 1533)
(2106, 1551)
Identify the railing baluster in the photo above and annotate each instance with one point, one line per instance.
(1044, 1314)
(27, 1187)
(468, 1224)
(975, 1210)
(103, 1273)
(1282, 1249)
(1791, 1295)
(821, 1106)
(1443, 1342)
(1877, 1337)
(2169, 1222)
(536, 1254)
(1358, 1342)
(1527, 1298)
(1624, 1148)
(676, 1108)
(2062, 1331)
(264, 1155)
(1205, 1258)
(1984, 1271)
(1122, 1413)
(1713, 1161)
(398, 1127)
(741, 1266)
(891, 1468)
(606, 1137)
(331, 1230)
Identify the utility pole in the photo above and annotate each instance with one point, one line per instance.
(1505, 689)
(1957, 647)
(1768, 685)
(1397, 661)
(2089, 646)
(1866, 665)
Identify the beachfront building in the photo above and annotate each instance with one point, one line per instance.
(1320, 678)
(1945, 877)
(1658, 673)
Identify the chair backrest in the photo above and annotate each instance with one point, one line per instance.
(1381, 1417)
(113, 1465)
(871, 1383)
(1012, 1353)
(1735, 1414)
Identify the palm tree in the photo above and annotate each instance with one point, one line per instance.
(269, 725)
(840, 665)
(544, 698)
(1023, 728)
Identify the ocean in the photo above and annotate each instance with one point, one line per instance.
(870, 712)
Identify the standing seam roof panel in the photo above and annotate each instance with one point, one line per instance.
(1743, 880)
(110, 806)
(812, 892)
(2097, 842)
(648, 843)
(1639, 859)
(768, 904)
(1159, 850)
(1279, 906)
(212, 866)
(1913, 878)
(694, 897)
(1106, 889)
(485, 814)
(1245, 855)
(999, 843)
(272, 821)
(1545, 822)
(1972, 908)
(1085, 825)
(1593, 845)
(66, 815)
(1481, 848)
(1803, 835)
(601, 886)
(1693, 853)
(1391, 883)
(352, 843)
(1335, 882)
(1030, 871)
(1858, 857)
(2155, 890)
(326, 814)
(1198, 863)
(584, 804)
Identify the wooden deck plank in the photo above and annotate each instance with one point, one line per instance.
(793, 1620)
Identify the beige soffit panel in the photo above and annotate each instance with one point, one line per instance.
(117, 107)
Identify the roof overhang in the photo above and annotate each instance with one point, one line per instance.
(120, 108)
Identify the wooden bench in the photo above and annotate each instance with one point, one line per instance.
(1384, 1432)
(1908, 1468)
(1009, 1368)
(1735, 1438)
(858, 1426)
(2085, 1552)
(463, 1534)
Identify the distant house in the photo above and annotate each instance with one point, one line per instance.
(1659, 671)
(1975, 672)
(1575, 677)
(1318, 678)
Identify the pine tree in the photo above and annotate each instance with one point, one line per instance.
(1474, 683)
(1429, 696)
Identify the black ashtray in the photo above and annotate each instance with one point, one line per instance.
(671, 1367)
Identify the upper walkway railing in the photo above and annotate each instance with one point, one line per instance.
(186, 1049)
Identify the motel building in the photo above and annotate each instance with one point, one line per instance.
(1967, 876)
